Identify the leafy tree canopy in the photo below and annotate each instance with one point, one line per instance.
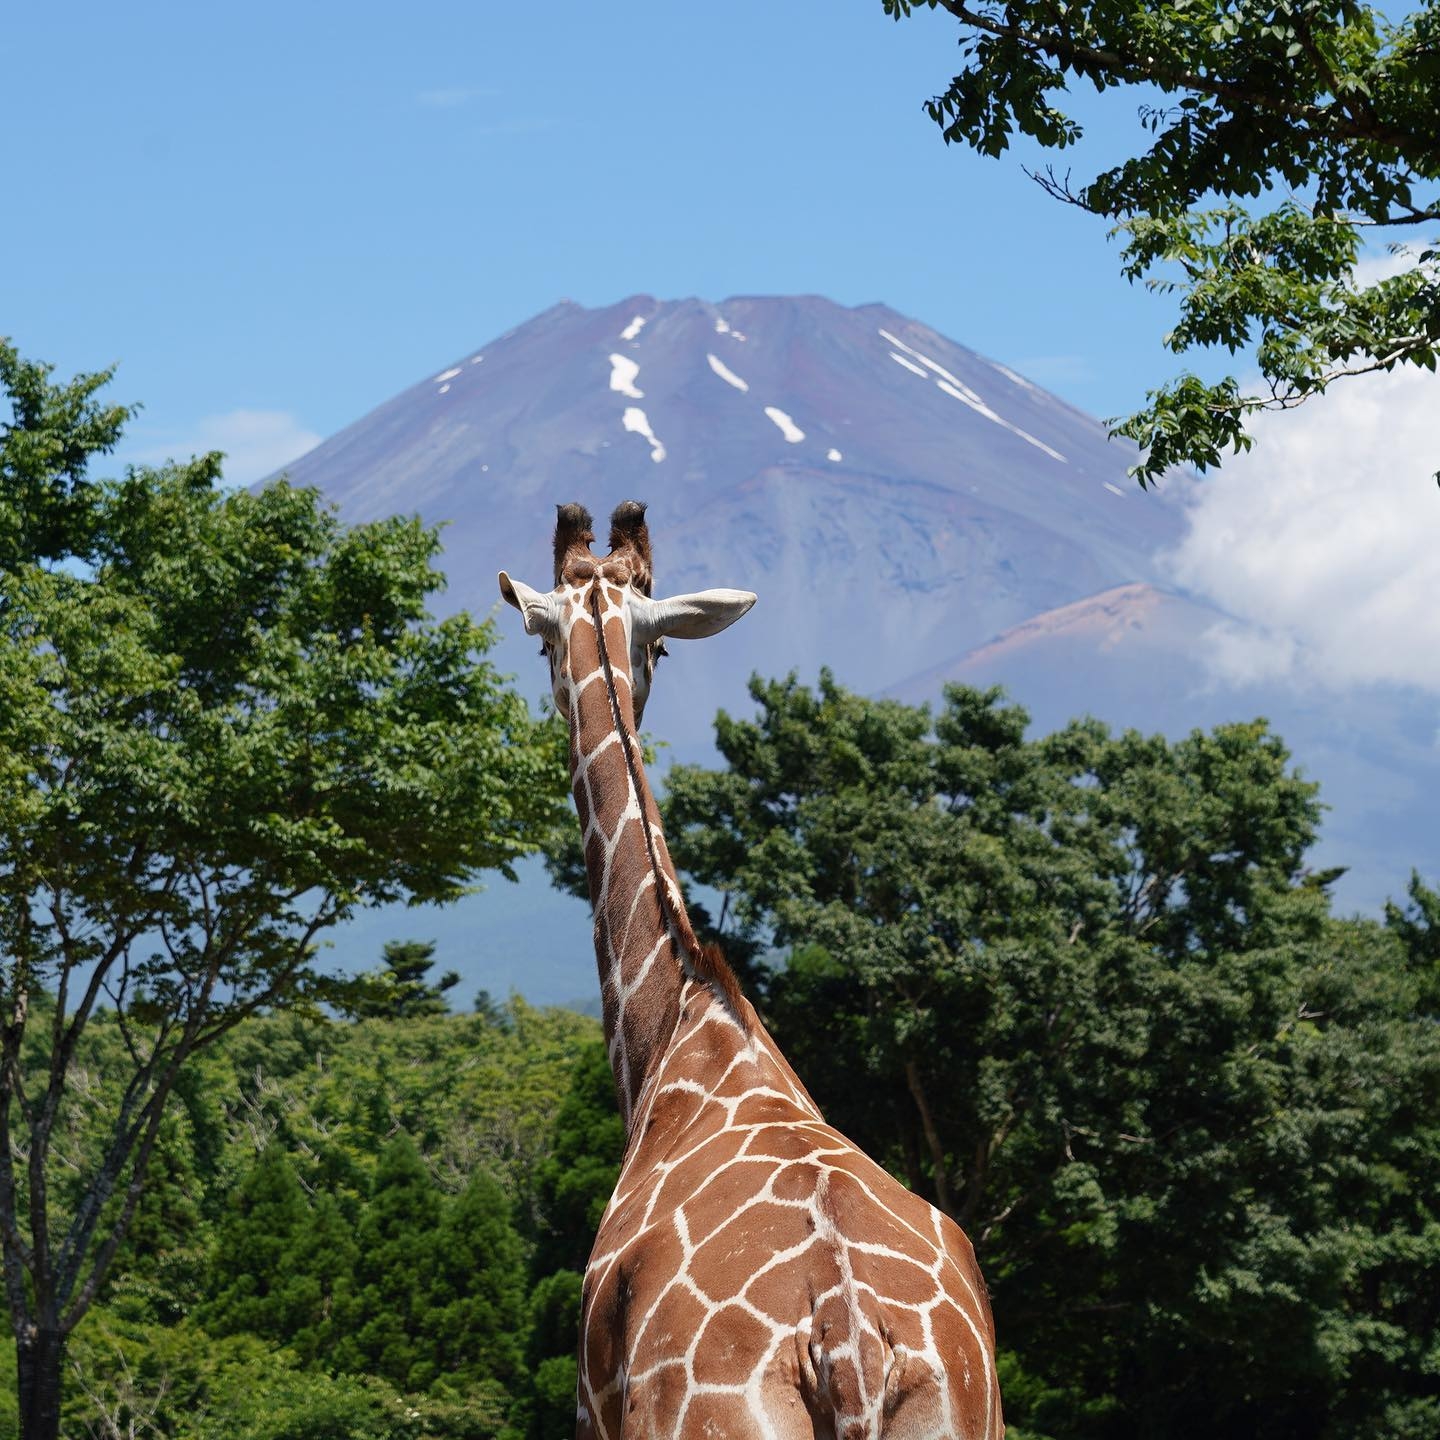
(45, 446)
(1082, 992)
(1280, 134)
(225, 722)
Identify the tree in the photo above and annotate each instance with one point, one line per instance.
(397, 1256)
(320, 1267)
(1417, 927)
(253, 1271)
(1082, 993)
(45, 448)
(226, 721)
(1322, 109)
(552, 1354)
(476, 1309)
(573, 1183)
(399, 989)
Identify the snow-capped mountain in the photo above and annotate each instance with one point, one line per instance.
(908, 512)
(892, 497)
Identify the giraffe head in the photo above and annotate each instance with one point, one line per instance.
(612, 598)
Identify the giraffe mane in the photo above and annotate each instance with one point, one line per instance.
(710, 964)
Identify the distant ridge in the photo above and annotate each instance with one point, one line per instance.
(1128, 626)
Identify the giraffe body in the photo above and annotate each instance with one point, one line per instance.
(755, 1274)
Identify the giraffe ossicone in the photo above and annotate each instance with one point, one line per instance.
(755, 1274)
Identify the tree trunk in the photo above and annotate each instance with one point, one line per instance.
(943, 1200)
(40, 1355)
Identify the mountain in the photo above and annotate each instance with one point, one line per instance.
(890, 495)
(908, 512)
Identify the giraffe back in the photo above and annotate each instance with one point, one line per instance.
(757, 1275)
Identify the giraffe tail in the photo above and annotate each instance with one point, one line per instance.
(849, 1388)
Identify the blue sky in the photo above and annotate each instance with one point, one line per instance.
(277, 216)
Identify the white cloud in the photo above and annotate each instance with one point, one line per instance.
(1326, 539)
(1379, 265)
(256, 443)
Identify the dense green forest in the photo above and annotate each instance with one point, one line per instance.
(352, 1229)
(1081, 991)
(227, 721)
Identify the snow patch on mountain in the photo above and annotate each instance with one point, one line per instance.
(725, 373)
(787, 427)
(910, 365)
(922, 358)
(447, 375)
(635, 420)
(623, 371)
(954, 386)
(833, 454)
(633, 328)
(1011, 376)
(967, 396)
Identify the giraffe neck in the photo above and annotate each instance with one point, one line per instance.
(643, 937)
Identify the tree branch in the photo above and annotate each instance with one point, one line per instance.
(195, 1036)
(943, 1199)
(1138, 69)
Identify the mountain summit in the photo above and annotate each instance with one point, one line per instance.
(894, 498)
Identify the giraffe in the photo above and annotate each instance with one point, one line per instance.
(755, 1274)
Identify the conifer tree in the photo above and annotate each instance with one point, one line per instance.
(550, 1353)
(321, 1263)
(251, 1275)
(573, 1183)
(400, 989)
(475, 1312)
(397, 1246)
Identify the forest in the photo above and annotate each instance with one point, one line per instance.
(365, 1228)
(1081, 991)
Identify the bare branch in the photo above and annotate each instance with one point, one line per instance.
(152, 1115)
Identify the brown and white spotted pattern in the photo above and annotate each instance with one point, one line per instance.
(754, 1275)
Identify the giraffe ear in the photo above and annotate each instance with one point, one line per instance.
(541, 611)
(688, 617)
